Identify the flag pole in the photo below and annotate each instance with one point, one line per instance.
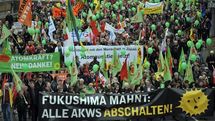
(15, 40)
(74, 45)
(126, 40)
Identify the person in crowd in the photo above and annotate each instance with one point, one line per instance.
(6, 103)
(177, 77)
(80, 85)
(95, 61)
(126, 88)
(33, 101)
(48, 87)
(89, 89)
(22, 103)
(60, 84)
(50, 47)
(77, 61)
(71, 89)
(30, 48)
(54, 83)
(59, 48)
(66, 83)
(39, 86)
(185, 84)
(60, 87)
(10, 19)
(92, 78)
(211, 60)
(25, 36)
(176, 81)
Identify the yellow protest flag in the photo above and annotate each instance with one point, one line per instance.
(11, 97)
(1, 93)
(153, 10)
(97, 3)
(192, 36)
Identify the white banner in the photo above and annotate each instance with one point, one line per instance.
(51, 26)
(150, 5)
(51, 29)
(84, 36)
(99, 51)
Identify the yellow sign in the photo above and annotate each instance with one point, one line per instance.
(194, 102)
(153, 10)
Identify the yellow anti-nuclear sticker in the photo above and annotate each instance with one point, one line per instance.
(57, 66)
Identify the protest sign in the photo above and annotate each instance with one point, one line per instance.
(35, 63)
(25, 12)
(153, 10)
(64, 107)
(151, 5)
(99, 50)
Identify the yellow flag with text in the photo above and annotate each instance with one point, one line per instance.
(153, 10)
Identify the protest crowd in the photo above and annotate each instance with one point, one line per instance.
(174, 41)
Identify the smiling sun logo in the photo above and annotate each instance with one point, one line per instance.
(194, 102)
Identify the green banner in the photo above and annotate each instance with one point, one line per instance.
(35, 63)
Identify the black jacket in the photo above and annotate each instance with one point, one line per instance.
(211, 61)
(22, 102)
(33, 98)
(38, 88)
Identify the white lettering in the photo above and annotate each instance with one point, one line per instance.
(114, 100)
(65, 113)
(44, 99)
(45, 114)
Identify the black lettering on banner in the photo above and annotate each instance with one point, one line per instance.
(22, 6)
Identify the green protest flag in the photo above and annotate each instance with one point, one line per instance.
(189, 73)
(132, 71)
(169, 58)
(161, 62)
(5, 66)
(104, 66)
(138, 18)
(89, 15)
(5, 34)
(116, 65)
(138, 76)
(74, 73)
(5, 56)
(84, 1)
(70, 18)
(6, 48)
(181, 60)
(36, 63)
(17, 81)
(167, 74)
